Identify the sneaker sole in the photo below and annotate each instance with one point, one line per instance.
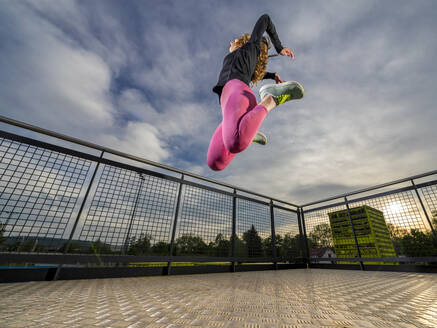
(264, 137)
(293, 94)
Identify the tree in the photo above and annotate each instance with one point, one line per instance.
(240, 247)
(397, 233)
(190, 245)
(2, 232)
(321, 236)
(267, 245)
(75, 247)
(29, 245)
(221, 246)
(161, 248)
(434, 219)
(99, 247)
(253, 242)
(290, 247)
(140, 246)
(418, 244)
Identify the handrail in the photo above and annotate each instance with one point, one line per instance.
(128, 156)
(372, 188)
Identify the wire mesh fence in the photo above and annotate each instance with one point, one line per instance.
(394, 226)
(254, 233)
(287, 235)
(39, 191)
(130, 213)
(430, 196)
(205, 224)
(55, 200)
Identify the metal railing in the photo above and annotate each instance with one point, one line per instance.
(69, 207)
(64, 206)
(344, 229)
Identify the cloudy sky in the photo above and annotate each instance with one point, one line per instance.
(137, 76)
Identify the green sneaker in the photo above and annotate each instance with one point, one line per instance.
(283, 92)
(260, 138)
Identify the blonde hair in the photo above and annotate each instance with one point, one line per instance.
(261, 65)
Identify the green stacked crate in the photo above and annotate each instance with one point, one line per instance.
(371, 231)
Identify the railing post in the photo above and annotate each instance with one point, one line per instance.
(126, 242)
(426, 213)
(301, 237)
(307, 249)
(175, 222)
(67, 247)
(272, 224)
(353, 232)
(234, 228)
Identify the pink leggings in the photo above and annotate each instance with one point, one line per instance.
(242, 117)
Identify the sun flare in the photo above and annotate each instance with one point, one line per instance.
(395, 207)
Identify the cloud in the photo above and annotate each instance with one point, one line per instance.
(54, 81)
(140, 139)
(172, 119)
(49, 78)
(139, 79)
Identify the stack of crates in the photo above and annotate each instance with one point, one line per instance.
(370, 229)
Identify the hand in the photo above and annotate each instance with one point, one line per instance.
(278, 78)
(287, 52)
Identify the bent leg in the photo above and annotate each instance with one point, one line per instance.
(218, 157)
(242, 117)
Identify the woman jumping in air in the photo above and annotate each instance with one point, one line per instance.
(242, 116)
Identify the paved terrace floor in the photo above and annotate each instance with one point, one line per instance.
(291, 298)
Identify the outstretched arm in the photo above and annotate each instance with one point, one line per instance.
(265, 24)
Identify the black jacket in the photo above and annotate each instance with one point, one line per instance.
(240, 64)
